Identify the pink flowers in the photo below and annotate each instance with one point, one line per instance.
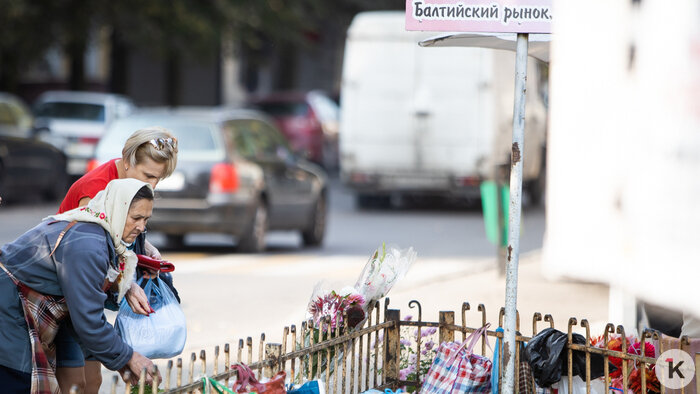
(334, 305)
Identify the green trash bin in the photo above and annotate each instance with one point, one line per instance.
(490, 206)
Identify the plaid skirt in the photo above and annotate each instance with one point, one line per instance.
(43, 313)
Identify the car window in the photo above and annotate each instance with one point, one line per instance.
(284, 108)
(271, 143)
(197, 140)
(241, 135)
(326, 109)
(68, 110)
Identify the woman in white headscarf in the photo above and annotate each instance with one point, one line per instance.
(69, 265)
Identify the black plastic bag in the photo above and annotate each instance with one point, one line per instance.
(548, 360)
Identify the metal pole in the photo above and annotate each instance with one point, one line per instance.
(516, 187)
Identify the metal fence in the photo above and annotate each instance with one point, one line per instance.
(388, 352)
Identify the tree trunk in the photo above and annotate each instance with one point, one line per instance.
(76, 55)
(173, 70)
(9, 73)
(118, 64)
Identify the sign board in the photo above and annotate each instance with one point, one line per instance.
(486, 16)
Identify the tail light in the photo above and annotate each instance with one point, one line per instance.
(224, 178)
(91, 165)
(90, 140)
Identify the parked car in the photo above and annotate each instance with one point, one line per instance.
(309, 120)
(28, 166)
(75, 121)
(235, 174)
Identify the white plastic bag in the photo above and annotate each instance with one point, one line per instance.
(159, 335)
(579, 386)
(383, 270)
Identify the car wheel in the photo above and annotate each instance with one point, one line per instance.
(313, 236)
(253, 241)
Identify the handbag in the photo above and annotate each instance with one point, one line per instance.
(159, 335)
(456, 369)
(247, 383)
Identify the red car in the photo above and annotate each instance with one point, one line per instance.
(309, 120)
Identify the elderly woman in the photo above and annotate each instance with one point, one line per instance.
(68, 266)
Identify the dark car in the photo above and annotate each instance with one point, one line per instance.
(309, 120)
(28, 166)
(235, 175)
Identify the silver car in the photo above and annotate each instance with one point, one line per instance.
(235, 175)
(75, 121)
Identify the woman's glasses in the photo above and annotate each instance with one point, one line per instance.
(160, 143)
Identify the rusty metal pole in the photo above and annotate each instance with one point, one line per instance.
(516, 187)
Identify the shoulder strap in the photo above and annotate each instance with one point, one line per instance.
(60, 236)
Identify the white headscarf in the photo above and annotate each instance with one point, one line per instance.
(109, 209)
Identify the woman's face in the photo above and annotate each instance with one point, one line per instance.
(139, 213)
(147, 170)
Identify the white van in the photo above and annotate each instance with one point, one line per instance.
(429, 121)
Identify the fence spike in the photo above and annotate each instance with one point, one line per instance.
(127, 381)
(168, 371)
(216, 360)
(465, 308)
(203, 359)
(156, 382)
(482, 308)
(584, 324)
(261, 354)
(178, 378)
(548, 318)
(115, 381)
(625, 376)
(193, 359)
(535, 318)
(142, 381)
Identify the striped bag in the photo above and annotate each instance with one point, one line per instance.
(456, 369)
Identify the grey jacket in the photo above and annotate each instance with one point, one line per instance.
(77, 271)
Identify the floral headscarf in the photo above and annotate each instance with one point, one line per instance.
(109, 209)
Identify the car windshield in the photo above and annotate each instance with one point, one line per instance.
(68, 110)
(284, 108)
(197, 140)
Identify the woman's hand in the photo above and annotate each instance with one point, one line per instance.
(135, 365)
(152, 251)
(137, 300)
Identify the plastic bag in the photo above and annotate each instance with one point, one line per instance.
(545, 353)
(383, 270)
(579, 386)
(496, 362)
(161, 334)
(310, 387)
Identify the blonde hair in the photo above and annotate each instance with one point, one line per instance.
(138, 147)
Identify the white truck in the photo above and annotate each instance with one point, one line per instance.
(430, 121)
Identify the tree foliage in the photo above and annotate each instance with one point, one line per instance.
(163, 27)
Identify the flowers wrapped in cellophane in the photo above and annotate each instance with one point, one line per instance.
(384, 268)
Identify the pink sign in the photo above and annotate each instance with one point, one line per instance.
(485, 16)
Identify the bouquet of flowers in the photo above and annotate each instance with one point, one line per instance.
(634, 370)
(379, 275)
(384, 268)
